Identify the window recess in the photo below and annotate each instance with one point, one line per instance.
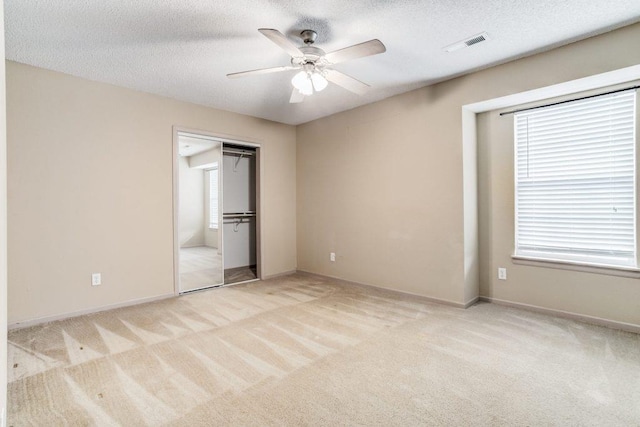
(575, 180)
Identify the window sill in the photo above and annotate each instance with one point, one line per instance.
(213, 228)
(608, 270)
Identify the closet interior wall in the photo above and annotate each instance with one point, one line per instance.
(239, 213)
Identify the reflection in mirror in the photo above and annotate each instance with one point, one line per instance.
(200, 254)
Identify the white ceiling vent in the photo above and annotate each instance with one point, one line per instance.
(470, 41)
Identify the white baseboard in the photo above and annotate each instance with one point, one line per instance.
(284, 273)
(614, 324)
(629, 327)
(47, 319)
(471, 302)
(423, 297)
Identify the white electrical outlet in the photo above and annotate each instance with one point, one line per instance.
(502, 273)
(96, 279)
(332, 257)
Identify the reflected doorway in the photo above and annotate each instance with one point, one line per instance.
(200, 258)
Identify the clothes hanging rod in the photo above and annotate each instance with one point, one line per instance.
(239, 215)
(241, 152)
(236, 220)
(569, 100)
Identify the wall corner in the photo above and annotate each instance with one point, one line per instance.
(471, 287)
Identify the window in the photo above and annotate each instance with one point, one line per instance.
(213, 197)
(575, 181)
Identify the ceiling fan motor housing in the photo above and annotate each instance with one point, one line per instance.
(308, 36)
(312, 54)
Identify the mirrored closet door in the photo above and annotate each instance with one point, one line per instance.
(200, 263)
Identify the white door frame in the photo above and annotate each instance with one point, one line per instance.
(223, 138)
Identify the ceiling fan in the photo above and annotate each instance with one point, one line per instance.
(314, 64)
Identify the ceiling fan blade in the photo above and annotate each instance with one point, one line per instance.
(281, 40)
(372, 47)
(347, 82)
(261, 71)
(296, 96)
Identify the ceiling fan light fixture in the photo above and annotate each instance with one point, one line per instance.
(307, 90)
(314, 65)
(309, 81)
(319, 82)
(302, 82)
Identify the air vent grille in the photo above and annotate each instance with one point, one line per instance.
(470, 41)
(475, 40)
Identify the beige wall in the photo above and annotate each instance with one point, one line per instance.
(210, 234)
(90, 190)
(206, 159)
(387, 186)
(3, 231)
(191, 209)
(383, 185)
(597, 295)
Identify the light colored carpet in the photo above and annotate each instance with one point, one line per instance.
(302, 350)
(200, 266)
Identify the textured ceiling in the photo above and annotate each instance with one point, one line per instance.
(183, 49)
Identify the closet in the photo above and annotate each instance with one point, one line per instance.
(240, 208)
(216, 211)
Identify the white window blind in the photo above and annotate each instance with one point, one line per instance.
(575, 181)
(213, 198)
